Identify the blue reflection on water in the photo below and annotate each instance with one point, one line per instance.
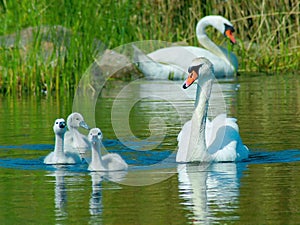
(283, 156)
(134, 157)
(22, 164)
(39, 147)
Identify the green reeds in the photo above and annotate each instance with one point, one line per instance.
(48, 45)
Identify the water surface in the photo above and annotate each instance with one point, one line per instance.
(262, 190)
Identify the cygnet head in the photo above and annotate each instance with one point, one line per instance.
(59, 126)
(95, 135)
(75, 120)
(200, 67)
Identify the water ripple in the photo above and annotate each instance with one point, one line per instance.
(134, 158)
(283, 156)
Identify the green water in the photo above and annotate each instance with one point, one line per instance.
(262, 190)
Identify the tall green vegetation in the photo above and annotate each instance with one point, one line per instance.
(47, 45)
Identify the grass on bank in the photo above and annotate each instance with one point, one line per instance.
(61, 36)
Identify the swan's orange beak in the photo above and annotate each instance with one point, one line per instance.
(190, 80)
(229, 34)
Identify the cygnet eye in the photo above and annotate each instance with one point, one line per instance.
(99, 133)
(56, 123)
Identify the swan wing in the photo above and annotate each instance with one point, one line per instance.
(114, 162)
(225, 143)
(157, 71)
(226, 154)
(182, 56)
(176, 55)
(213, 126)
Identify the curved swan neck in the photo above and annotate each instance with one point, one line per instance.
(201, 103)
(59, 144)
(199, 119)
(76, 134)
(205, 41)
(96, 153)
(78, 140)
(203, 92)
(72, 129)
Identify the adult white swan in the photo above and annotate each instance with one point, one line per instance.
(74, 140)
(108, 162)
(225, 63)
(200, 139)
(58, 156)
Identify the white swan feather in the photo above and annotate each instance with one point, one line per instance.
(76, 142)
(201, 139)
(59, 156)
(108, 162)
(225, 62)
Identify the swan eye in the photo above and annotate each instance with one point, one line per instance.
(229, 27)
(194, 68)
(56, 123)
(99, 133)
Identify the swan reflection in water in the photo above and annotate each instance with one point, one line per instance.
(208, 189)
(97, 179)
(60, 193)
(95, 203)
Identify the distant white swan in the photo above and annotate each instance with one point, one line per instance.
(225, 63)
(58, 156)
(74, 140)
(200, 139)
(108, 162)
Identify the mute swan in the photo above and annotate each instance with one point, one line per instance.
(108, 162)
(225, 63)
(58, 156)
(74, 140)
(200, 139)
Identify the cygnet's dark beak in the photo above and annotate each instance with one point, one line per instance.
(62, 124)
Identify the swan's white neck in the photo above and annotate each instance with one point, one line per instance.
(77, 138)
(59, 144)
(72, 129)
(198, 144)
(206, 42)
(96, 155)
